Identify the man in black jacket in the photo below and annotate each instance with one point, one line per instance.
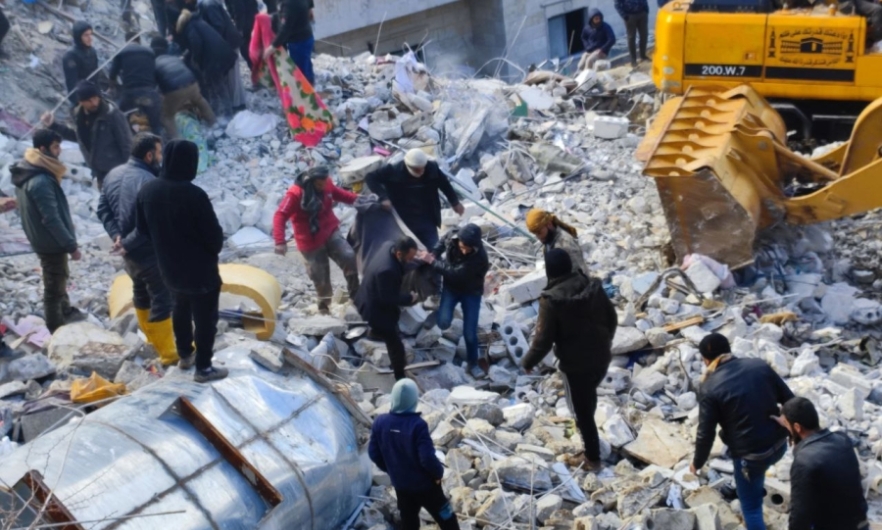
(577, 318)
(243, 12)
(212, 58)
(46, 221)
(103, 132)
(80, 63)
(179, 87)
(379, 297)
(825, 478)
(741, 396)
(296, 35)
(463, 272)
(412, 187)
(116, 209)
(135, 64)
(177, 216)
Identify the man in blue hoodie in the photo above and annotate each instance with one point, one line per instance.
(402, 447)
(598, 39)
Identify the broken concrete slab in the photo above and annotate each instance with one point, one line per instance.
(466, 395)
(269, 356)
(628, 339)
(84, 348)
(317, 326)
(13, 388)
(357, 169)
(33, 366)
(522, 471)
(519, 416)
(412, 319)
(659, 443)
(528, 288)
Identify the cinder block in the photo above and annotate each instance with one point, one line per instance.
(777, 495)
(412, 319)
(610, 127)
(528, 288)
(514, 340)
(850, 377)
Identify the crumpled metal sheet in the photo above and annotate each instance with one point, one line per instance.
(136, 456)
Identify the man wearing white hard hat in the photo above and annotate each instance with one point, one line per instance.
(411, 187)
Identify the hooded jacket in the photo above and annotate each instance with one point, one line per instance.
(290, 208)
(117, 206)
(463, 273)
(136, 65)
(413, 197)
(626, 8)
(740, 396)
(213, 13)
(178, 218)
(105, 137)
(210, 53)
(825, 484)
(600, 37)
(379, 297)
(577, 318)
(172, 74)
(402, 447)
(80, 61)
(45, 213)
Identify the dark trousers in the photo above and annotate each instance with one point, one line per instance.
(56, 303)
(433, 500)
(394, 347)
(581, 392)
(148, 289)
(424, 230)
(4, 26)
(201, 311)
(318, 268)
(148, 101)
(635, 24)
(245, 28)
(301, 54)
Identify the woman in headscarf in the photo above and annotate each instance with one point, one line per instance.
(309, 204)
(554, 233)
(307, 115)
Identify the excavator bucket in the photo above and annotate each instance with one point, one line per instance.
(711, 155)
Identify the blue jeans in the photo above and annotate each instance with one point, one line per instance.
(301, 54)
(471, 308)
(751, 488)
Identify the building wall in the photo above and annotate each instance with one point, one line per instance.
(488, 34)
(333, 17)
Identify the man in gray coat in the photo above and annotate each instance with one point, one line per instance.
(103, 132)
(45, 218)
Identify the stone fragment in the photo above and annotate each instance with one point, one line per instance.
(866, 312)
(617, 379)
(528, 288)
(466, 395)
(128, 372)
(650, 381)
(318, 326)
(658, 337)
(268, 356)
(385, 130)
(542, 452)
(428, 337)
(838, 302)
(495, 508)
(659, 443)
(477, 428)
(546, 506)
(610, 127)
(671, 519)
(485, 411)
(13, 388)
(412, 319)
(618, 433)
(706, 517)
(850, 377)
(628, 339)
(851, 403)
(444, 433)
(84, 348)
(519, 416)
(520, 470)
(704, 279)
(806, 363)
(33, 366)
(357, 169)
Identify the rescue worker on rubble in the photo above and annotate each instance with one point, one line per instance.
(103, 132)
(211, 57)
(177, 217)
(598, 39)
(309, 204)
(411, 187)
(295, 35)
(577, 318)
(117, 209)
(825, 477)
(401, 446)
(135, 65)
(46, 221)
(379, 298)
(554, 233)
(179, 87)
(462, 268)
(742, 397)
(635, 14)
(80, 62)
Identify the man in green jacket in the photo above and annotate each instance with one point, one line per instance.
(45, 218)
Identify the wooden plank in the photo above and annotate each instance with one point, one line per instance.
(230, 453)
(415, 366)
(676, 326)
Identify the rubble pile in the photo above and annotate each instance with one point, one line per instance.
(808, 306)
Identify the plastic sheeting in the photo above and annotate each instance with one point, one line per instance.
(138, 456)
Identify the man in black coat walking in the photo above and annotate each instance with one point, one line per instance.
(80, 63)
(825, 478)
(577, 318)
(412, 187)
(742, 397)
(187, 238)
(379, 297)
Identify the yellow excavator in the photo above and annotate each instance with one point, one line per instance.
(720, 160)
(815, 64)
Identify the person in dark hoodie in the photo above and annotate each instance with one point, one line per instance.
(179, 87)
(463, 270)
(401, 446)
(135, 64)
(411, 187)
(577, 318)
(598, 38)
(116, 210)
(103, 132)
(211, 56)
(309, 204)
(46, 221)
(379, 297)
(177, 217)
(80, 63)
(635, 13)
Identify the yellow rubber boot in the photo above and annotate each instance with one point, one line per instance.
(143, 320)
(162, 337)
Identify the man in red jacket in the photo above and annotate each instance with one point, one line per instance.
(309, 204)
